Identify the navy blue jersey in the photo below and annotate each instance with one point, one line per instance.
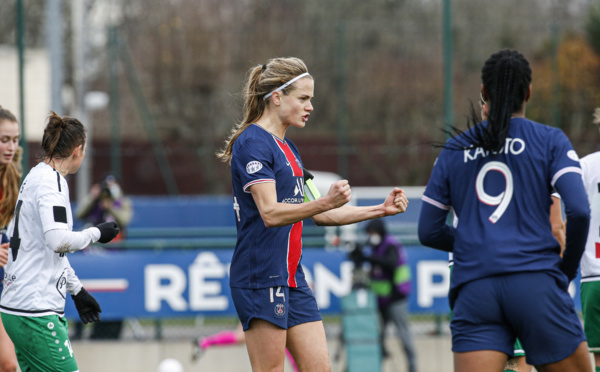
(502, 201)
(265, 257)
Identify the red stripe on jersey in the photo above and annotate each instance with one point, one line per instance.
(597, 250)
(289, 155)
(294, 252)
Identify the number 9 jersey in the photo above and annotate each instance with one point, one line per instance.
(502, 201)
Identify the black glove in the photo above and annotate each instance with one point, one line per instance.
(108, 231)
(87, 307)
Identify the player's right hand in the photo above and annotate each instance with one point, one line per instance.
(4, 254)
(339, 193)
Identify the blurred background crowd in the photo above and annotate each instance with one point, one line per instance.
(391, 75)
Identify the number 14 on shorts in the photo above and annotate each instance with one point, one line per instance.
(276, 293)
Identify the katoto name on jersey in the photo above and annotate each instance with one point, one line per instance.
(513, 146)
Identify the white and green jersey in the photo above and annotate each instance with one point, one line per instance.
(590, 262)
(38, 275)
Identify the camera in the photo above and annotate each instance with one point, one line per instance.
(109, 188)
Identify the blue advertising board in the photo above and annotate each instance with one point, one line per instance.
(181, 283)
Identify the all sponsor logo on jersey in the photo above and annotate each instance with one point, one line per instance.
(280, 310)
(299, 187)
(253, 166)
(298, 193)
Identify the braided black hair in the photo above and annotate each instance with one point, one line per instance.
(506, 77)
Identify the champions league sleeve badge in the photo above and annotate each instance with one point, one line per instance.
(253, 167)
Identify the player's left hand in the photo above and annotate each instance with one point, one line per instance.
(396, 202)
(87, 307)
(4, 254)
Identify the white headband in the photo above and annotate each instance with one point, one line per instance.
(287, 84)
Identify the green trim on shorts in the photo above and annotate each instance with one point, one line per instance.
(41, 343)
(519, 349)
(590, 306)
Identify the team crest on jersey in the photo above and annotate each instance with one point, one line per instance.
(253, 167)
(572, 155)
(61, 284)
(280, 310)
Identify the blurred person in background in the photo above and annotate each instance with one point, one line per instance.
(38, 273)
(227, 338)
(590, 262)
(391, 282)
(268, 286)
(105, 203)
(508, 278)
(10, 180)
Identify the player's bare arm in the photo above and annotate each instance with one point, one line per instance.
(559, 229)
(276, 214)
(3, 254)
(396, 202)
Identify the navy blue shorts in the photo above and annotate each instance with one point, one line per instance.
(490, 313)
(283, 306)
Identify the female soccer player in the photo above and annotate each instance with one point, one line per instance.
(38, 274)
(518, 363)
(10, 178)
(509, 279)
(269, 290)
(590, 267)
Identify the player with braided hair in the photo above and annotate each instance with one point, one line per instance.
(518, 363)
(508, 278)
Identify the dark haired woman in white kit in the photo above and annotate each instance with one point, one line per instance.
(38, 275)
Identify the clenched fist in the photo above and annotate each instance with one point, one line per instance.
(339, 193)
(396, 202)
